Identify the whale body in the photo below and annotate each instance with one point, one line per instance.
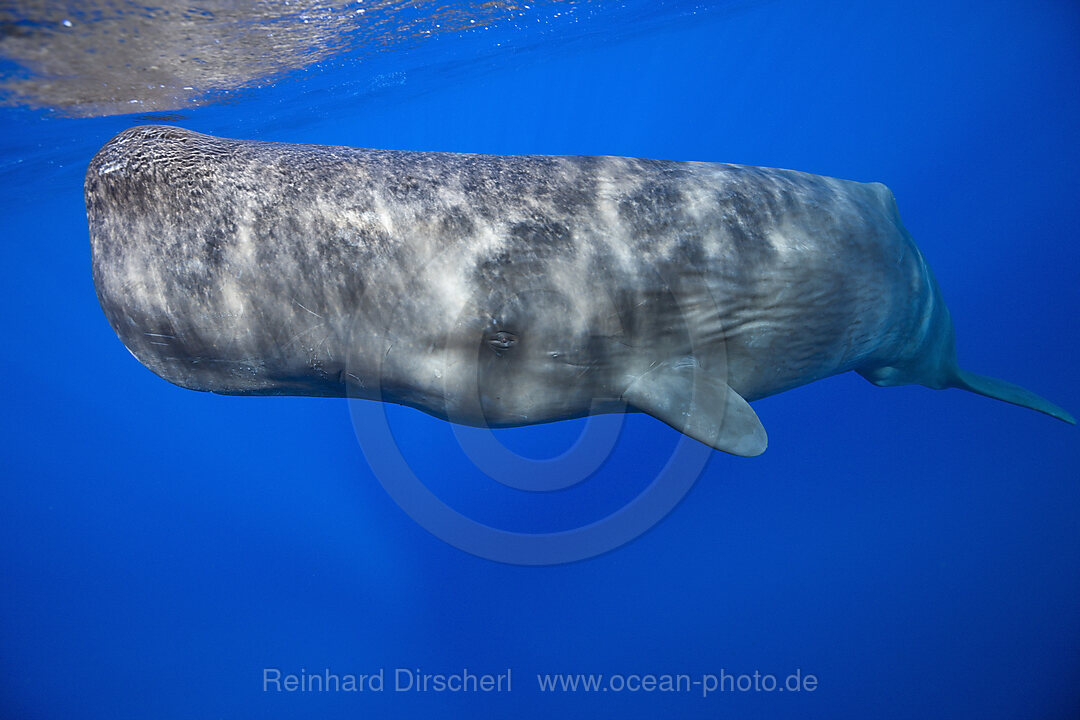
(510, 290)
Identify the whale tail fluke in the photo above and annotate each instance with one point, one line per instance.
(930, 360)
(1002, 390)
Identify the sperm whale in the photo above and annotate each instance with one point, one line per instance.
(510, 290)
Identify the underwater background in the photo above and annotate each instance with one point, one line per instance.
(916, 552)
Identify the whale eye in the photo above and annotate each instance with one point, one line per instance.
(501, 340)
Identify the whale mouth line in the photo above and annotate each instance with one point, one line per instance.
(581, 364)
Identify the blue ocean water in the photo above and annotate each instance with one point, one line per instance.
(916, 552)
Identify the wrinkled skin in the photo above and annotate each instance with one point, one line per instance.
(506, 290)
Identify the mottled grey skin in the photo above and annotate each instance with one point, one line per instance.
(509, 290)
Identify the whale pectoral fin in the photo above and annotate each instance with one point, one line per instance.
(707, 410)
